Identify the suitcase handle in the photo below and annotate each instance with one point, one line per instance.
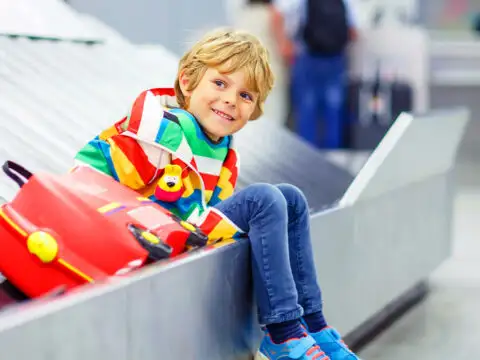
(16, 172)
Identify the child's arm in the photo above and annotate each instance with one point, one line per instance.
(132, 162)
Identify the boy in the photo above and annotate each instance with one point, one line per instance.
(222, 83)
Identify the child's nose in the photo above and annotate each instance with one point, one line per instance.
(230, 98)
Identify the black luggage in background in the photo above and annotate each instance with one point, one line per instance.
(372, 107)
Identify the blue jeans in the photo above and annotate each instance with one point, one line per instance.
(277, 221)
(318, 97)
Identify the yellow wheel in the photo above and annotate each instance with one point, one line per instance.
(43, 245)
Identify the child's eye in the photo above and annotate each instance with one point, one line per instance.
(247, 96)
(219, 83)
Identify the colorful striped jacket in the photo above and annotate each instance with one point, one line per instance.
(136, 150)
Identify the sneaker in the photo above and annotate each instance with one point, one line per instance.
(295, 349)
(331, 342)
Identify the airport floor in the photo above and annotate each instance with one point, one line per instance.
(447, 324)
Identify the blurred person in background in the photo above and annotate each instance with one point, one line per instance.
(312, 37)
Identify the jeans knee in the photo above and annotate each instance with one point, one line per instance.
(294, 197)
(269, 197)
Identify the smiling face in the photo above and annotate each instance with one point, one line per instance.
(222, 103)
(224, 81)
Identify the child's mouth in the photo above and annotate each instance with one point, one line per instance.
(223, 115)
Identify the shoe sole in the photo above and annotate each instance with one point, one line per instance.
(260, 356)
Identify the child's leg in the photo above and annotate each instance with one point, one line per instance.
(301, 257)
(277, 221)
(303, 269)
(261, 211)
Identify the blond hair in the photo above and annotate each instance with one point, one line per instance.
(228, 51)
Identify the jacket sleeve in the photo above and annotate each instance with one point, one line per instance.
(132, 162)
(227, 180)
(219, 229)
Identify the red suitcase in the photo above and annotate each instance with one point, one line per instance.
(82, 227)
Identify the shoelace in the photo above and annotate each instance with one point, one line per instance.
(318, 356)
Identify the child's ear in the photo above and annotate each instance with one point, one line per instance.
(183, 82)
